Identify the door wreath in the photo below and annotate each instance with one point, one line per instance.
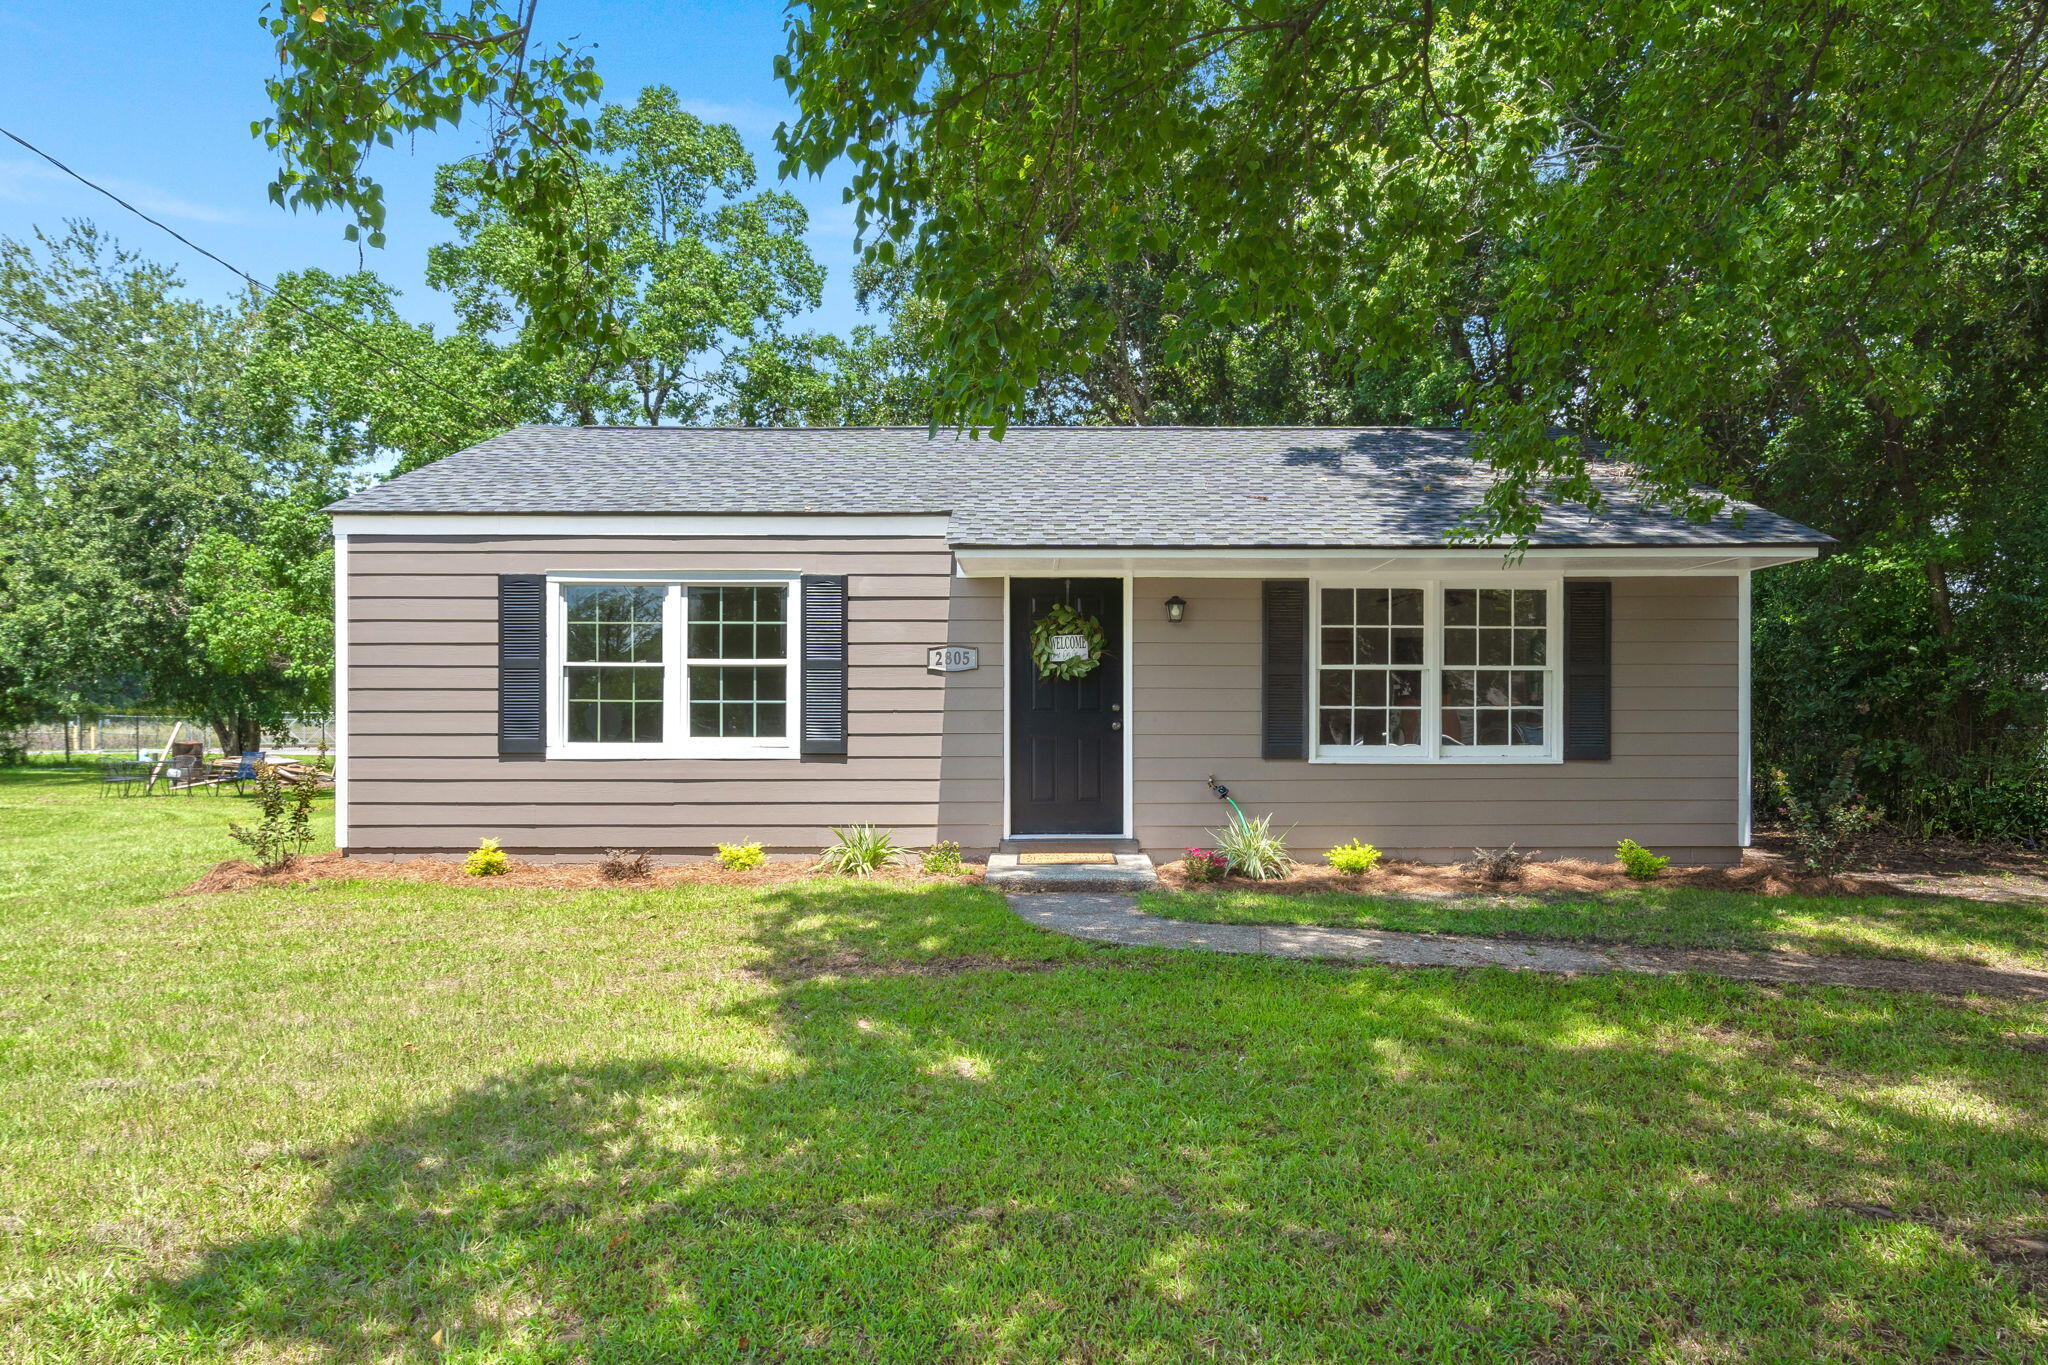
(1064, 620)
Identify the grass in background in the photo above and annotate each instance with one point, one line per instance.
(1928, 928)
(66, 845)
(381, 1121)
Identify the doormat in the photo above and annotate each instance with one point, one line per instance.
(1054, 859)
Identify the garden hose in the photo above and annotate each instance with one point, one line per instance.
(1223, 794)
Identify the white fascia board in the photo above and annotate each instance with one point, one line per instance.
(1707, 561)
(852, 524)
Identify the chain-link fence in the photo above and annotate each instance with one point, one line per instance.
(132, 736)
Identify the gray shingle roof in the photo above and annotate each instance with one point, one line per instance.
(1197, 487)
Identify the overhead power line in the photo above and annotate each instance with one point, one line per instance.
(464, 404)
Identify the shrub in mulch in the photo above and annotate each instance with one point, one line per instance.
(1551, 877)
(236, 875)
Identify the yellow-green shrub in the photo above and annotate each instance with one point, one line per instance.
(1638, 861)
(488, 860)
(1353, 858)
(741, 857)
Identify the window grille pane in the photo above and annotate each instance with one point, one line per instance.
(1504, 631)
(613, 624)
(614, 705)
(739, 623)
(739, 703)
(1372, 648)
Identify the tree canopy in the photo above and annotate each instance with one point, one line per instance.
(1789, 251)
(696, 270)
(133, 435)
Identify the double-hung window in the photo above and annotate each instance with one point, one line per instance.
(673, 669)
(1436, 672)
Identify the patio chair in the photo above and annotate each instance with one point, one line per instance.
(124, 776)
(182, 771)
(245, 770)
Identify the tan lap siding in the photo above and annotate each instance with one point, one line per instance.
(1671, 783)
(924, 750)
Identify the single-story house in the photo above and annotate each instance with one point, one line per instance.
(573, 639)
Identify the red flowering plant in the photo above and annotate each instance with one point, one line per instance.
(1203, 864)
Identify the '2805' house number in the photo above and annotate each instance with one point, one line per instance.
(952, 659)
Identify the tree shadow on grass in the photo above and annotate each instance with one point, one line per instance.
(1911, 927)
(959, 1139)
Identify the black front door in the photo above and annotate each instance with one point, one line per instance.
(1066, 735)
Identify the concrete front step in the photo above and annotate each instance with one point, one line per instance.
(1131, 870)
(1068, 843)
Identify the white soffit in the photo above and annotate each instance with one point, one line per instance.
(1417, 563)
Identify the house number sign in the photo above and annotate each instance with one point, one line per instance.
(952, 659)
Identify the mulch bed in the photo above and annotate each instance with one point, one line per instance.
(1550, 877)
(236, 875)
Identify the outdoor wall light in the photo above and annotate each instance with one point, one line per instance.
(1176, 610)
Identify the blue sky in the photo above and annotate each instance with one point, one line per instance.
(155, 101)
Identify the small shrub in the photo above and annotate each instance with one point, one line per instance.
(1499, 864)
(284, 822)
(1203, 865)
(741, 857)
(625, 865)
(1354, 858)
(861, 851)
(1638, 861)
(486, 860)
(1827, 823)
(943, 859)
(1250, 848)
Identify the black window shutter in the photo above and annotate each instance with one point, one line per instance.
(1588, 669)
(522, 661)
(824, 680)
(1285, 686)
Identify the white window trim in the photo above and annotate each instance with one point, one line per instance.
(1432, 749)
(677, 741)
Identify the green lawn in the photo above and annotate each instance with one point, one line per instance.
(376, 1121)
(1944, 929)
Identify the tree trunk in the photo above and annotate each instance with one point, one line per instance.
(1898, 460)
(236, 734)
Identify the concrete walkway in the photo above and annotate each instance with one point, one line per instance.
(1108, 918)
